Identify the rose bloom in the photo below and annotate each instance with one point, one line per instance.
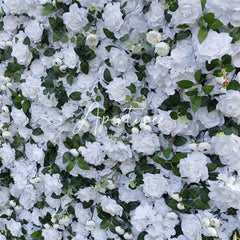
(154, 185)
(194, 167)
(119, 60)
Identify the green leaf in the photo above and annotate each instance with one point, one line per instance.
(215, 24)
(167, 153)
(105, 223)
(174, 115)
(179, 141)
(64, 38)
(185, 84)
(88, 137)
(183, 35)
(49, 52)
(70, 80)
(107, 75)
(109, 34)
(201, 205)
(124, 38)
(37, 132)
(203, 3)
(82, 163)
(25, 106)
(198, 75)
(207, 88)
(157, 159)
(76, 96)
(141, 236)
(209, 17)
(84, 67)
(226, 59)
(48, 9)
(233, 85)
(196, 102)
(195, 192)
(146, 8)
(235, 34)
(68, 157)
(37, 234)
(202, 34)
(132, 88)
(146, 57)
(98, 112)
(70, 166)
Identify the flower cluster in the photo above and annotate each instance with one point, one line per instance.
(119, 119)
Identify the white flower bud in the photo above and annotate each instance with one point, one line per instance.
(9, 85)
(5, 109)
(82, 126)
(215, 222)
(2, 44)
(2, 78)
(154, 37)
(141, 125)
(128, 236)
(204, 147)
(55, 226)
(3, 87)
(53, 220)
(119, 230)
(135, 130)
(92, 40)
(147, 128)
(111, 185)
(58, 62)
(65, 220)
(180, 206)
(63, 68)
(47, 225)
(162, 49)
(146, 119)
(18, 207)
(116, 121)
(6, 79)
(211, 232)
(6, 134)
(205, 222)
(8, 43)
(90, 225)
(12, 203)
(172, 215)
(193, 147)
(125, 118)
(74, 152)
(176, 197)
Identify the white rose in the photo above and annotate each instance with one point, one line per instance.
(13, 5)
(119, 60)
(75, 19)
(110, 206)
(93, 153)
(208, 50)
(34, 31)
(165, 123)
(194, 167)
(4, 196)
(154, 185)
(155, 15)
(10, 23)
(162, 49)
(227, 147)
(19, 117)
(34, 153)
(229, 104)
(51, 233)
(154, 37)
(209, 119)
(187, 13)
(37, 68)
(70, 58)
(52, 184)
(112, 16)
(191, 227)
(145, 143)
(22, 53)
(118, 151)
(31, 87)
(8, 155)
(82, 126)
(14, 227)
(117, 90)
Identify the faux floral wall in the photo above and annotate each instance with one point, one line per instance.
(119, 119)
